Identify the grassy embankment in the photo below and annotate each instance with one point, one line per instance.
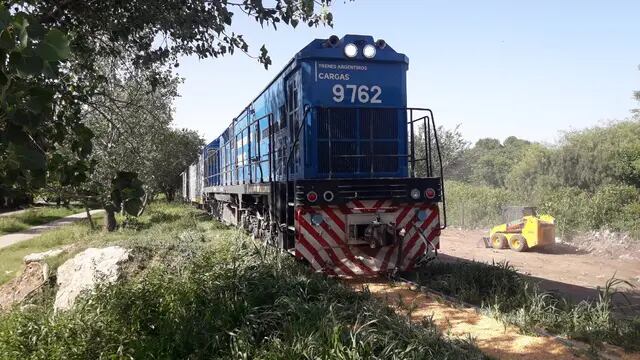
(510, 297)
(196, 289)
(34, 216)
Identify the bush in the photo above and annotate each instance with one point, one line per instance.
(477, 206)
(614, 207)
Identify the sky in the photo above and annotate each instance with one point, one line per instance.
(532, 69)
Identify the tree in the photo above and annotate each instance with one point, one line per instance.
(178, 149)
(48, 81)
(452, 149)
(491, 161)
(37, 112)
(131, 121)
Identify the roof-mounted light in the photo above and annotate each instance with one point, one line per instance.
(369, 51)
(351, 50)
(332, 41)
(381, 44)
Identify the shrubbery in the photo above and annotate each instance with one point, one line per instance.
(589, 181)
(613, 207)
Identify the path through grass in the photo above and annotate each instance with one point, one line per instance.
(34, 216)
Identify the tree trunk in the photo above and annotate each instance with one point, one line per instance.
(110, 220)
(170, 195)
(144, 204)
(86, 208)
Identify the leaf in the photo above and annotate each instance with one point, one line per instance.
(47, 52)
(31, 65)
(132, 206)
(59, 43)
(5, 16)
(29, 156)
(50, 69)
(35, 29)
(24, 38)
(7, 41)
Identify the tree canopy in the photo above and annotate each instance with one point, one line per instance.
(62, 60)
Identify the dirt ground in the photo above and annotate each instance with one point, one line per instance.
(489, 335)
(567, 269)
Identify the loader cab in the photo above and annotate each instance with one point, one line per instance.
(516, 213)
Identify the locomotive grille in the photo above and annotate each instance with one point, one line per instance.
(360, 141)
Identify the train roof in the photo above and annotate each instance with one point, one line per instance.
(325, 49)
(322, 49)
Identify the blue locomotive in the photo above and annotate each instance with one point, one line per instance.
(323, 162)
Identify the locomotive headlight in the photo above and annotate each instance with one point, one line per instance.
(351, 50)
(369, 51)
(328, 196)
(415, 194)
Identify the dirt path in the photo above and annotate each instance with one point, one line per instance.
(489, 335)
(566, 269)
(10, 213)
(14, 238)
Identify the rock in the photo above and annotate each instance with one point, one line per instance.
(38, 257)
(86, 270)
(34, 276)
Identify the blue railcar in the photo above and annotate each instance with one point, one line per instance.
(324, 162)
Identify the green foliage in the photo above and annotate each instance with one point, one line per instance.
(453, 147)
(589, 181)
(227, 298)
(490, 161)
(36, 110)
(477, 205)
(598, 156)
(178, 149)
(510, 297)
(126, 193)
(50, 79)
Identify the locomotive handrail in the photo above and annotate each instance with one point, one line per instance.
(429, 129)
(296, 139)
(444, 203)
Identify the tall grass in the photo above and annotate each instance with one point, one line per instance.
(508, 296)
(204, 291)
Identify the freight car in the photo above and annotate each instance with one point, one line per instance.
(323, 162)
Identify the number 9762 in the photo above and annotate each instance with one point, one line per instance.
(357, 93)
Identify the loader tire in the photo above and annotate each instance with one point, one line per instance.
(498, 241)
(518, 243)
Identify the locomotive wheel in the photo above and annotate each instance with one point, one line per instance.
(498, 241)
(518, 243)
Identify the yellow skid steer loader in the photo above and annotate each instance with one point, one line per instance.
(523, 229)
